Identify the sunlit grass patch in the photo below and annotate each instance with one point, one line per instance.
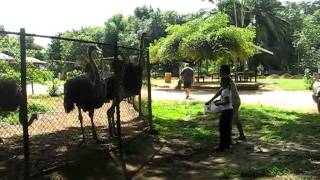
(286, 84)
(256, 171)
(183, 120)
(178, 119)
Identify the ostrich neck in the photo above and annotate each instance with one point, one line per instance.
(141, 45)
(94, 68)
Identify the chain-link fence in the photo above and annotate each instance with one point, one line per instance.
(52, 134)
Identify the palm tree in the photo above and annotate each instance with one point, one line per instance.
(262, 13)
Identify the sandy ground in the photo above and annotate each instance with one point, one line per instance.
(290, 100)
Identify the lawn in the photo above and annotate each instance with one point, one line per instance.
(36, 104)
(285, 84)
(270, 84)
(287, 140)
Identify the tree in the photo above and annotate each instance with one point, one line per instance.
(308, 43)
(113, 27)
(204, 38)
(36, 75)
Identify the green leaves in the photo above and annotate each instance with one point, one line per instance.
(308, 43)
(204, 38)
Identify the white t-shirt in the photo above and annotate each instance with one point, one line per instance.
(226, 93)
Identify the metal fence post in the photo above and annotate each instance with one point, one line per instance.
(149, 91)
(23, 114)
(118, 100)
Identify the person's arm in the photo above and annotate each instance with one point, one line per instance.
(215, 96)
(224, 101)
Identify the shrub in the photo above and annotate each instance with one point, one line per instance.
(54, 88)
(308, 78)
(73, 74)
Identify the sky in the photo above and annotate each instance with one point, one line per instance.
(48, 17)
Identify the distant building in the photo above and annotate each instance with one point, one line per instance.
(36, 62)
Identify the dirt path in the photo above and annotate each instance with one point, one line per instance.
(290, 100)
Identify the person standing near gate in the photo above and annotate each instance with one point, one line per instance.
(187, 77)
(236, 101)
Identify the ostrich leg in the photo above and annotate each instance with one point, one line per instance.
(110, 115)
(111, 122)
(94, 132)
(81, 123)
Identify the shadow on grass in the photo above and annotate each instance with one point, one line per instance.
(279, 142)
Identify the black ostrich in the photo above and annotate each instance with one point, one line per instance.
(90, 92)
(86, 92)
(130, 83)
(10, 96)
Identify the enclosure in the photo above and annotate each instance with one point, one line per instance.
(41, 136)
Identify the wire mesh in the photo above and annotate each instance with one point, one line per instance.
(55, 135)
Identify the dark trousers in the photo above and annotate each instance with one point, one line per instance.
(225, 128)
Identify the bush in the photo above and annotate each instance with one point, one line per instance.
(73, 74)
(308, 78)
(54, 88)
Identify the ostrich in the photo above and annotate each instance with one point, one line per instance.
(10, 95)
(86, 92)
(130, 82)
(11, 98)
(91, 93)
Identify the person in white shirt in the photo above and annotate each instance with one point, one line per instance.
(236, 101)
(225, 104)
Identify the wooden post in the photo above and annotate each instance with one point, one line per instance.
(23, 113)
(149, 92)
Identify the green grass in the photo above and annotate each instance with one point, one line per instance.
(268, 125)
(270, 170)
(285, 84)
(276, 124)
(176, 119)
(181, 120)
(13, 117)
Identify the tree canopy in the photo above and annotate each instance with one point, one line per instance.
(308, 41)
(204, 38)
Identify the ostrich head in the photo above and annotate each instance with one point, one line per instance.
(93, 65)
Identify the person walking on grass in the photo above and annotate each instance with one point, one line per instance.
(236, 101)
(225, 105)
(187, 77)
